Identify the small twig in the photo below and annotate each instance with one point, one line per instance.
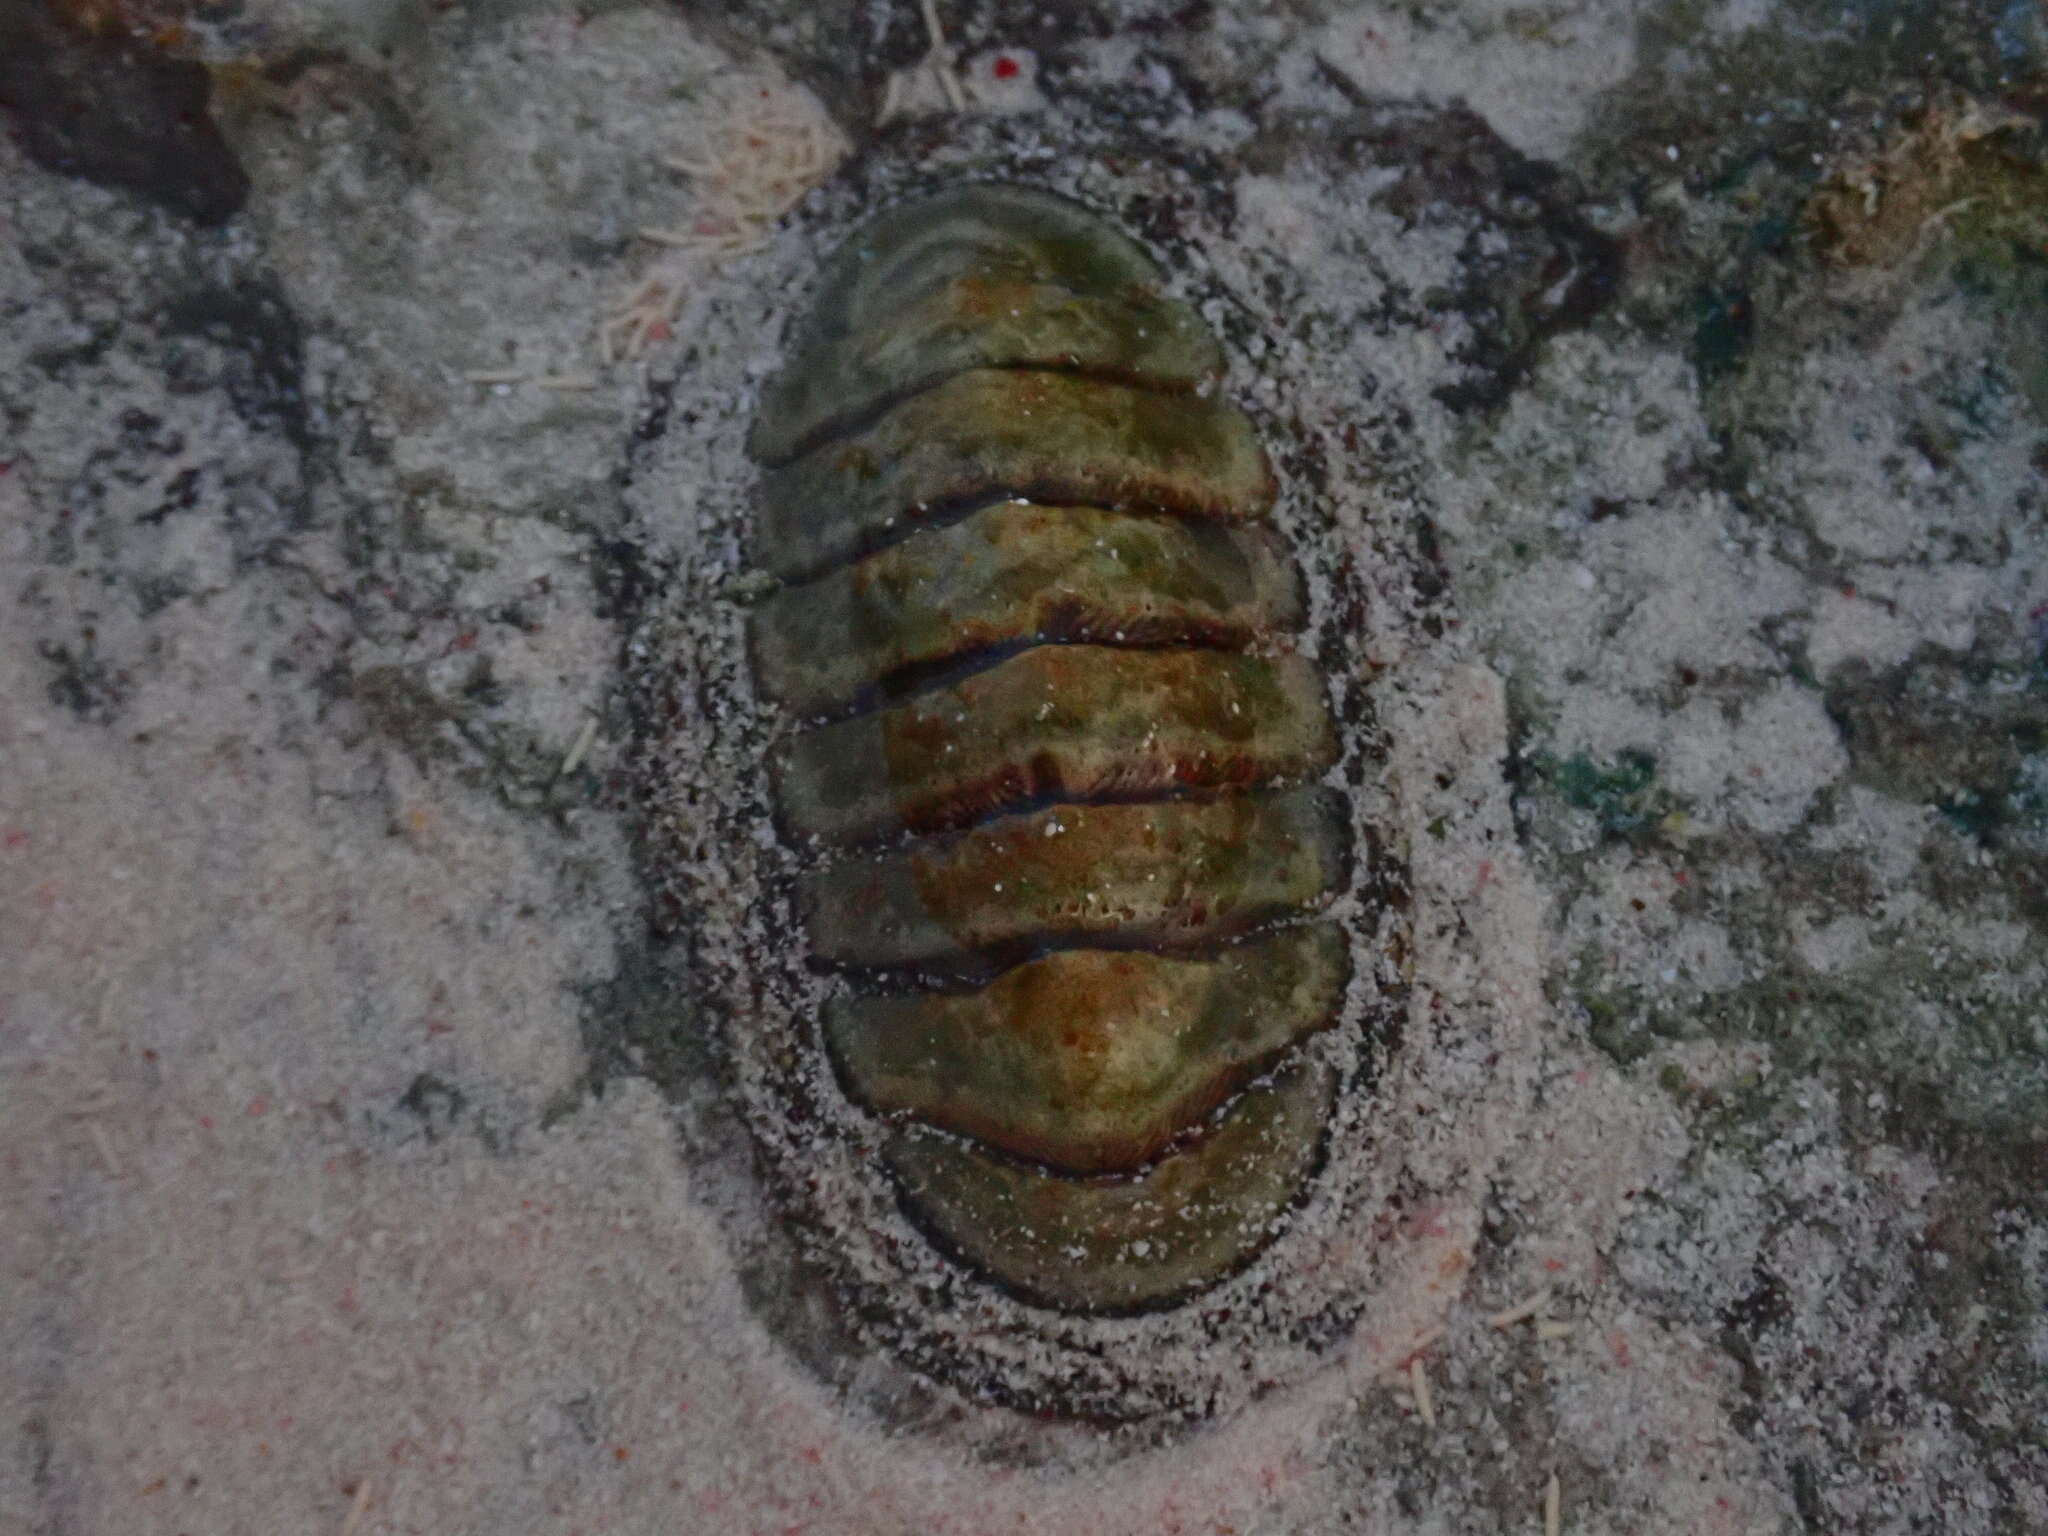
(582, 746)
(690, 165)
(941, 64)
(1418, 1384)
(892, 99)
(1553, 1507)
(1521, 1311)
(358, 1508)
(1424, 1339)
(757, 148)
(104, 1147)
(1940, 217)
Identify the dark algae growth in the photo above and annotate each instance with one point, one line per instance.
(1053, 751)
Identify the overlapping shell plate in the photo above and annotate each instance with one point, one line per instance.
(1020, 808)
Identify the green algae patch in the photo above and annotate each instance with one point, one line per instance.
(1951, 733)
(1622, 794)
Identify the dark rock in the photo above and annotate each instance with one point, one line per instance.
(116, 111)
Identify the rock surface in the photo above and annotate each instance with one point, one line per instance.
(346, 1185)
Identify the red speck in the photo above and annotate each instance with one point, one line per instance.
(1006, 68)
(620, 1453)
(1848, 589)
(16, 837)
(1679, 877)
(659, 331)
(1553, 1265)
(257, 1105)
(206, 1122)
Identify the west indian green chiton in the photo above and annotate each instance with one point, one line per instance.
(1018, 790)
(1054, 749)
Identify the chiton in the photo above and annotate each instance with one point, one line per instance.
(1086, 962)
(1055, 750)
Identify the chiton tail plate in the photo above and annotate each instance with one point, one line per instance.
(1056, 751)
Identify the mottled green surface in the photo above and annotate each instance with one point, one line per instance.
(1172, 872)
(1074, 722)
(1104, 1245)
(1047, 437)
(1090, 1060)
(1015, 573)
(984, 276)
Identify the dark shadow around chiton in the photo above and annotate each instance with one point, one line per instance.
(1056, 758)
